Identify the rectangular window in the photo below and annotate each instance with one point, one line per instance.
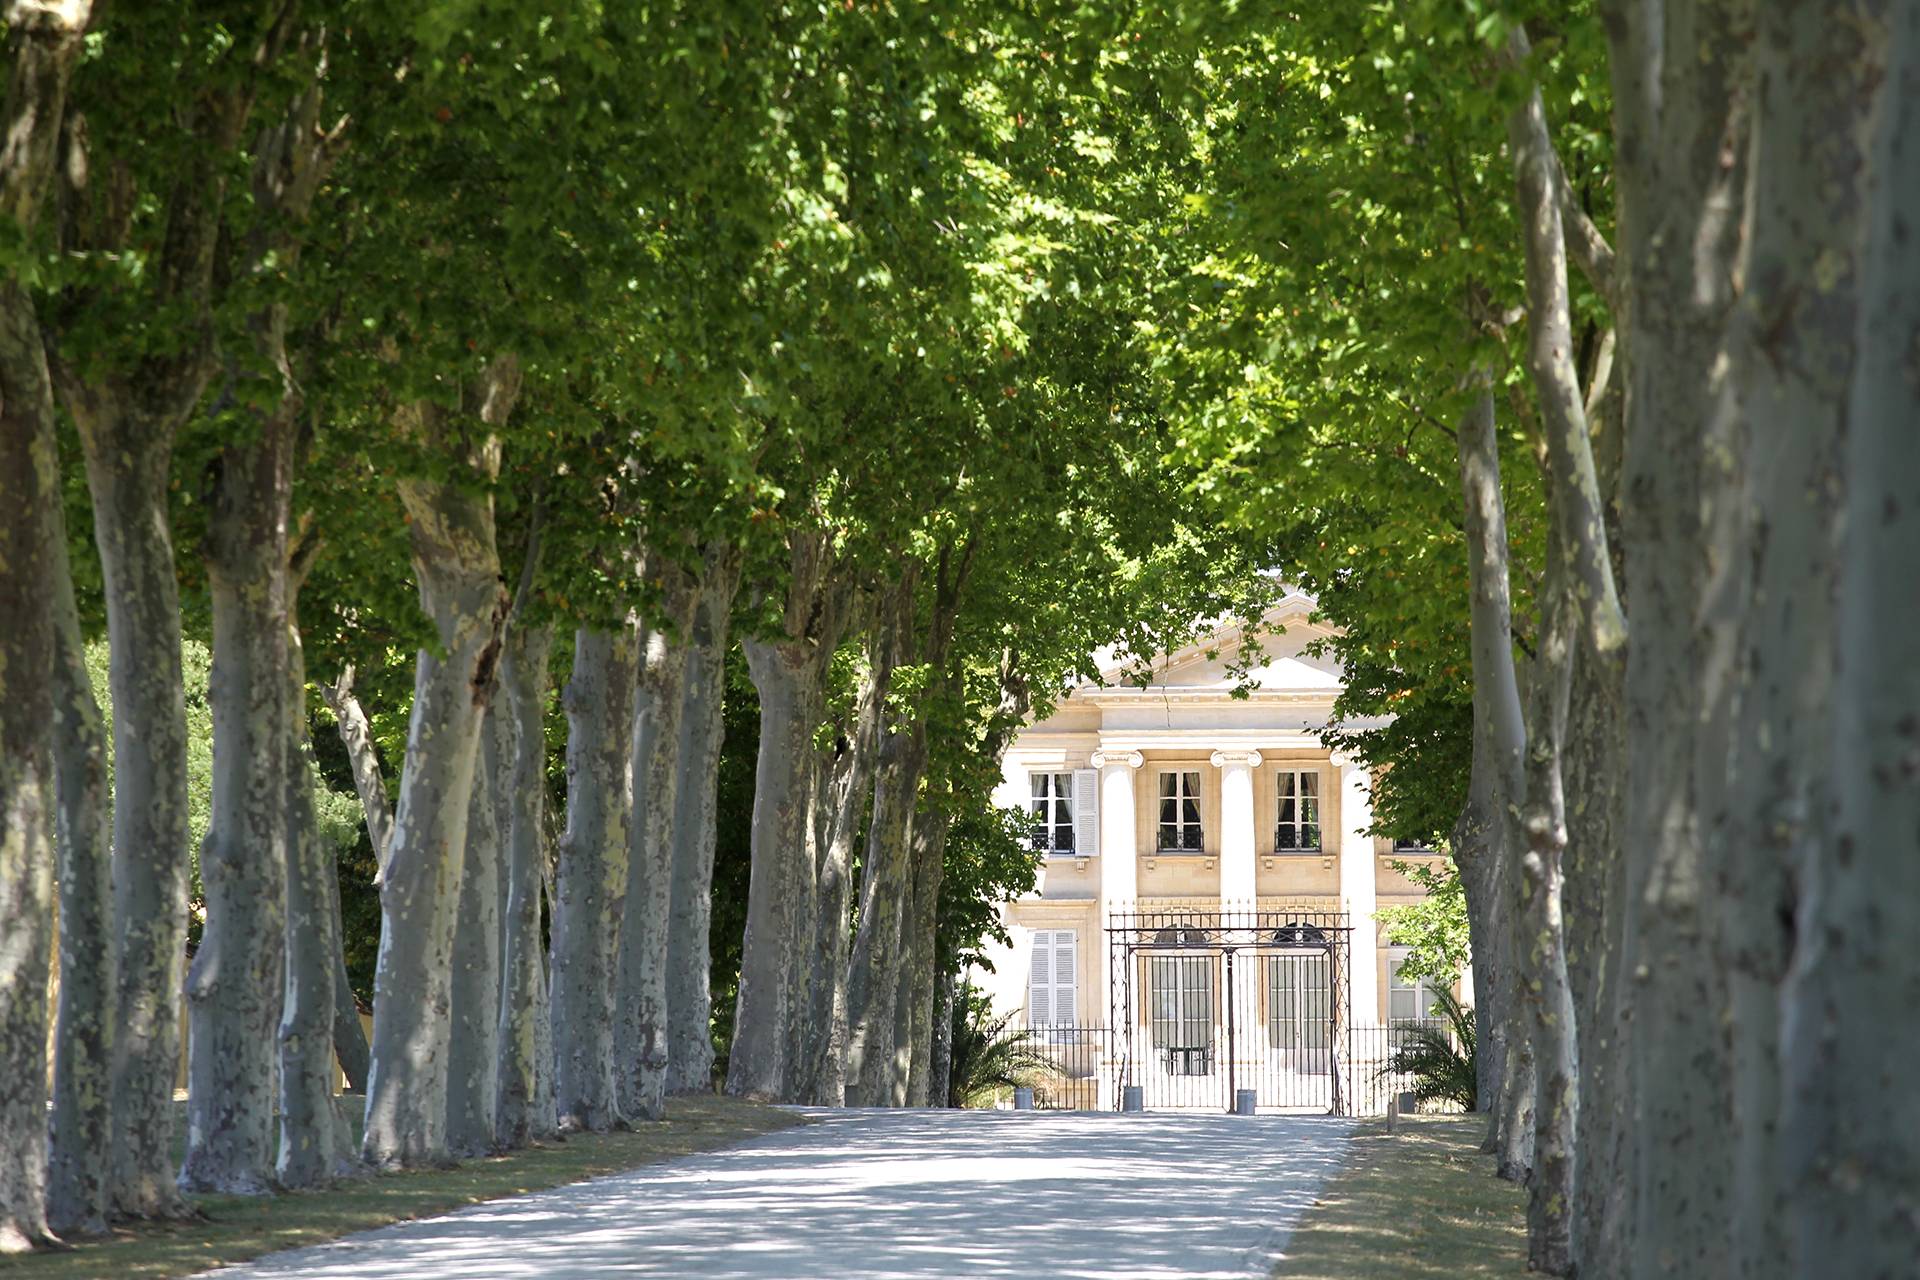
(1298, 829)
(1412, 846)
(1181, 991)
(1180, 812)
(1051, 979)
(1052, 810)
(1409, 1000)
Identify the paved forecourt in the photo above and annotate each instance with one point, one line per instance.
(880, 1195)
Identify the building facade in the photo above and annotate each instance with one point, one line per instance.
(1205, 917)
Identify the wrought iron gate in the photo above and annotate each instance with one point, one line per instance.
(1206, 1004)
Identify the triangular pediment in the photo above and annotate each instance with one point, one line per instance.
(1218, 659)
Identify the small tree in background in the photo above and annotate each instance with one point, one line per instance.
(1442, 1061)
(988, 1058)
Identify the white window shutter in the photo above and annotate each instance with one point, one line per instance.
(1086, 811)
(1039, 984)
(1066, 1003)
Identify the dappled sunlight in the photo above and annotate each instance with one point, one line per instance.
(884, 1195)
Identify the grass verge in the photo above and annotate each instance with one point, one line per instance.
(235, 1228)
(1419, 1204)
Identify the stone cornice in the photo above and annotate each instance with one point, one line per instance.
(1202, 693)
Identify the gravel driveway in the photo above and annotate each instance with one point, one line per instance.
(888, 1195)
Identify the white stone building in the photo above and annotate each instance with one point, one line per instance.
(1205, 921)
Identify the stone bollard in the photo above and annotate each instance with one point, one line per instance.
(1243, 1102)
(1133, 1097)
(1023, 1098)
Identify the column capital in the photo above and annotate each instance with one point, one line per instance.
(1131, 759)
(1341, 760)
(1220, 759)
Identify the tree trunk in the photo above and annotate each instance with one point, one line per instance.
(1500, 744)
(80, 1124)
(787, 676)
(28, 598)
(803, 912)
(1595, 886)
(357, 735)
(873, 980)
(349, 1034)
(1548, 997)
(473, 1049)
(1818, 907)
(316, 1144)
(235, 985)
(849, 786)
(39, 659)
(929, 866)
(518, 1117)
(640, 1045)
(1851, 1154)
(458, 568)
(590, 881)
(127, 466)
(689, 954)
(1681, 142)
(940, 1083)
(1476, 853)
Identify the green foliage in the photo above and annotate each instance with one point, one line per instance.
(988, 1059)
(1434, 929)
(989, 860)
(1441, 1060)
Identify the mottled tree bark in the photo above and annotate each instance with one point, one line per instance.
(127, 465)
(929, 865)
(357, 735)
(940, 1077)
(848, 786)
(1852, 1159)
(590, 881)
(1680, 130)
(349, 1035)
(879, 1024)
(640, 1029)
(472, 1046)
(1547, 994)
(789, 674)
(80, 1125)
(1499, 777)
(1595, 887)
(1476, 853)
(874, 1063)
(458, 568)
(787, 678)
(1826, 767)
(519, 1117)
(235, 985)
(316, 1144)
(26, 763)
(689, 955)
(44, 43)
